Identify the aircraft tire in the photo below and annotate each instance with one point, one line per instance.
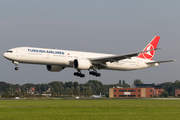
(16, 68)
(75, 73)
(91, 72)
(98, 74)
(78, 74)
(82, 75)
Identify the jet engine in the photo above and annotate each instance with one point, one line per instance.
(54, 68)
(82, 64)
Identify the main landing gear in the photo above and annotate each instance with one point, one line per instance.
(16, 64)
(79, 74)
(95, 73)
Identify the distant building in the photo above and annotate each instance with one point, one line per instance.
(177, 92)
(31, 90)
(158, 90)
(138, 90)
(18, 90)
(49, 90)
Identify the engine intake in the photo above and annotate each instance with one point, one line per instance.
(54, 68)
(82, 64)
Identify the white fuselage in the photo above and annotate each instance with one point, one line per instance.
(65, 58)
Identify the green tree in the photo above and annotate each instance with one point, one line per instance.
(67, 91)
(138, 81)
(75, 84)
(165, 94)
(123, 82)
(168, 86)
(71, 92)
(77, 91)
(119, 82)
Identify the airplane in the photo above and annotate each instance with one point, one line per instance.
(97, 96)
(56, 60)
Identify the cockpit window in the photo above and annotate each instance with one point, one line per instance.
(9, 51)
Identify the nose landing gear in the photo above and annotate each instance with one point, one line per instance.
(16, 68)
(16, 64)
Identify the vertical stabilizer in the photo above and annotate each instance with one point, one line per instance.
(152, 45)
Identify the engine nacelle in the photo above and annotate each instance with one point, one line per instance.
(54, 68)
(82, 64)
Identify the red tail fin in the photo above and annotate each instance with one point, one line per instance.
(152, 45)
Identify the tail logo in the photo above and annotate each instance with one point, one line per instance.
(150, 54)
(152, 45)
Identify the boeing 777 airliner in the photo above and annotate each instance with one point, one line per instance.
(56, 60)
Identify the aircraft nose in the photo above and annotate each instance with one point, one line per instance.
(8, 54)
(5, 55)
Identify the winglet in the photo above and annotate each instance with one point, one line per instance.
(152, 45)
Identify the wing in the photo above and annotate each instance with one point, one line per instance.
(115, 58)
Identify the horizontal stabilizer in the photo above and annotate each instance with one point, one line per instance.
(161, 61)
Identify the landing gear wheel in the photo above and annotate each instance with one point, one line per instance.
(82, 75)
(16, 64)
(95, 73)
(16, 68)
(79, 74)
(91, 72)
(75, 73)
(98, 74)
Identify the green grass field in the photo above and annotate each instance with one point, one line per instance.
(125, 109)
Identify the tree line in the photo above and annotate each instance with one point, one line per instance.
(58, 88)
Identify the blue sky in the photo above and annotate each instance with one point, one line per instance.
(102, 26)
